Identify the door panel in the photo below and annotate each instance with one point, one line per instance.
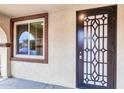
(96, 47)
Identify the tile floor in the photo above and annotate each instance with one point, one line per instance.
(16, 83)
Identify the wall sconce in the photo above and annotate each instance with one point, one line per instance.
(81, 17)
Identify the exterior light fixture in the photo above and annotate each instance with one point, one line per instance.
(81, 17)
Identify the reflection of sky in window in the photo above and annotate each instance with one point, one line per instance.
(24, 36)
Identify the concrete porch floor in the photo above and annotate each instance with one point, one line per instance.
(15, 83)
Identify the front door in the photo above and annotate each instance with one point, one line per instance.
(96, 47)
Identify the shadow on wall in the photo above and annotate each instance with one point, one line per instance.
(3, 53)
(3, 37)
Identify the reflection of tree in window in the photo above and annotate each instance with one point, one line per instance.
(30, 42)
(23, 42)
(22, 39)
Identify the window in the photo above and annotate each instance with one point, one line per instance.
(30, 39)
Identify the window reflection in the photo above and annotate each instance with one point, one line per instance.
(22, 39)
(30, 39)
(36, 44)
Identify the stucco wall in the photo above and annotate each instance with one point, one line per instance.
(120, 47)
(4, 38)
(61, 68)
(5, 25)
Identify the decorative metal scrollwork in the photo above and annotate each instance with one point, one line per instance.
(95, 50)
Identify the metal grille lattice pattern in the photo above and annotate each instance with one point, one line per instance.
(95, 50)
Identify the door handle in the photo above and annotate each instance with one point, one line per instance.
(80, 57)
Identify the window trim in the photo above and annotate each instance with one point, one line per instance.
(15, 44)
(28, 18)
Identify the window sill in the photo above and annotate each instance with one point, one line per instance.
(29, 60)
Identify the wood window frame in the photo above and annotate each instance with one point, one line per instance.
(30, 17)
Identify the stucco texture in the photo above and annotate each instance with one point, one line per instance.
(61, 68)
(5, 52)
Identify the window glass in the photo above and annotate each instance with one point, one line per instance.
(22, 39)
(36, 38)
(29, 39)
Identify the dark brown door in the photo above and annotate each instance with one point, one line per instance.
(96, 47)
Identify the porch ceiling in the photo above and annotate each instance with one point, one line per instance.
(16, 10)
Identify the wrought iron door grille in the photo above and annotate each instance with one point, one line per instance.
(95, 49)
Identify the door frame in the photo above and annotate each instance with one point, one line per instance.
(114, 61)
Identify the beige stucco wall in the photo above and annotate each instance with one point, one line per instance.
(5, 25)
(120, 47)
(5, 52)
(61, 68)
